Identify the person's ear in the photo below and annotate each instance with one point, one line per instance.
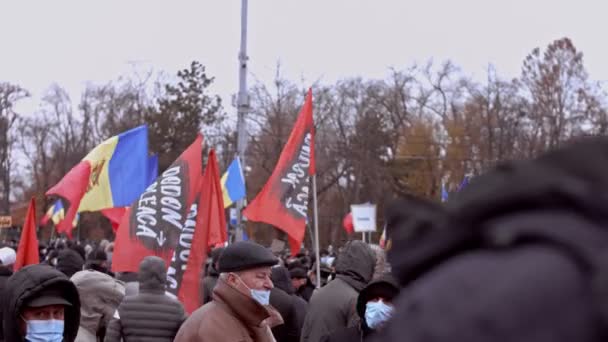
(231, 279)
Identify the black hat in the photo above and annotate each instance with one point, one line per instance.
(48, 297)
(215, 254)
(245, 255)
(384, 287)
(298, 273)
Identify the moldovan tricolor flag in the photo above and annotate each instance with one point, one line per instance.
(205, 227)
(153, 224)
(116, 214)
(112, 175)
(27, 252)
(233, 183)
(283, 201)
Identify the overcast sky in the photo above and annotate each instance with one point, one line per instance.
(74, 42)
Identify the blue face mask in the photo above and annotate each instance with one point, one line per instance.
(260, 296)
(49, 330)
(377, 313)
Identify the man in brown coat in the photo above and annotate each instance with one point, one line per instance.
(240, 309)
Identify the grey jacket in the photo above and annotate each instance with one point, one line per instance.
(99, 295)
(150, 315)
(334, 306)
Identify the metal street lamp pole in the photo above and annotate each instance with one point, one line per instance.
(242, 110)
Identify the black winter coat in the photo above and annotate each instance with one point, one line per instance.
(5, 273)
(352, 334)
(519, 255)
(26, 284)
(208, 284)
(150, 315)
(291, 307)
(305, 292)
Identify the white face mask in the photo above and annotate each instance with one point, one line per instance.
(377, 313)
(260, 296)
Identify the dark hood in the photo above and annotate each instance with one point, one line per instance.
(355, 264)
(281, 279)
(152, 275)
(69, 262)
(26, 284)
(5, 271)
(385, 285)
(570, 180)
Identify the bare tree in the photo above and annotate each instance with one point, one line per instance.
(9, 95)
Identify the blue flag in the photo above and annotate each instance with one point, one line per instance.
(464, 183)
(152, 169)
(233, 183)
(444, 193)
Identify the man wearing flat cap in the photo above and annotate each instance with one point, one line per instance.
(40, 304)
(239, 309)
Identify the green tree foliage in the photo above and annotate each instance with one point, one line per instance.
(181, 113)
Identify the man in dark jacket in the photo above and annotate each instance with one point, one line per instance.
(40, 304)
(150, 315)
(518, 255)
(69, 262)
(212, 274)
(98, 261)
(291, 307)
(301, 283)
(332, 307)
(374, 306)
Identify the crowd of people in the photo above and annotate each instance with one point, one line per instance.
(519, 255)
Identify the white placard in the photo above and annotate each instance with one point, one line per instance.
(364, 217)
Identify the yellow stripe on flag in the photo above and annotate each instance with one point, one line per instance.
(99, 192)
(226, 195)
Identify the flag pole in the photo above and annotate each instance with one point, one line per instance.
(316, 214)
(52, 233)
(242, 103)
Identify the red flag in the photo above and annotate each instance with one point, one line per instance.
(347, 223)
(210, 230)
(283, 201)
(115, 216)
(27, 252)
(71, 188)
(153, 224)
(45, 219)
(211, 212)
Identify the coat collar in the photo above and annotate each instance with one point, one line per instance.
(242, 306)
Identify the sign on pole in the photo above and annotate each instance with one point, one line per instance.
(364, 217)
(6, 221)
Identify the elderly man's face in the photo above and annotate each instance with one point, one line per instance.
(254, 279)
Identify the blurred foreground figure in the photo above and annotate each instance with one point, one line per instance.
(520, 255)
